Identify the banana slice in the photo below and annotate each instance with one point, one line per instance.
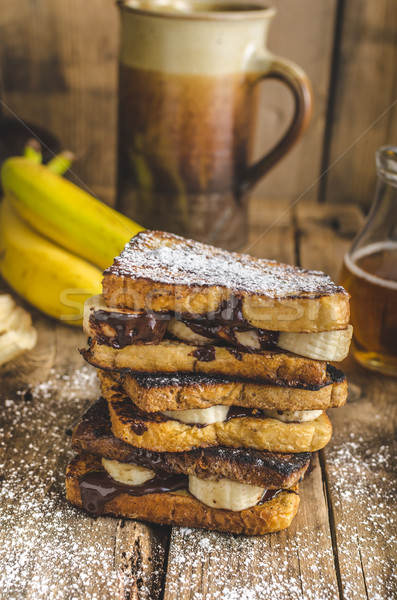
(293, 416)
(127, 473)
(200, 416)
(324, 345)
(248, 339)
(225, 493)
(183, 332)
(16, 329)
(7, 306)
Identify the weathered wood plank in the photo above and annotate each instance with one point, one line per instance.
(47, 548)
(364, 90)
(58, 64)
(359, 462)
(271, 232)
(325, 234)
(303, 32)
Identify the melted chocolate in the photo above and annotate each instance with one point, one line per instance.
(270, 494)
(150, 460)
(229, 312)
(204, 353)
(138, 427)
(98, 487)
(227, 333)
(235, 353)
(237, 412)
(129, 328)
(149, 328)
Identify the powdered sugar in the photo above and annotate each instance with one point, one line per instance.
(362, 474)
(170, 259)
(277, 566)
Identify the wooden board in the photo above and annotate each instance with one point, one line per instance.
(47, 548)
(303, 32)
(363, 111)
(341, 544)
(58, 66)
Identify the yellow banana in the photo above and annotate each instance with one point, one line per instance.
(52, 279)
(64, 213)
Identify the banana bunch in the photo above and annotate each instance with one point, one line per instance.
(55, 238)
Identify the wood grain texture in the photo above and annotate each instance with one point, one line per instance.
(360, 466)
(303, 32)
(47, 548)
(363, 114)
(359, 462)
(58, 65)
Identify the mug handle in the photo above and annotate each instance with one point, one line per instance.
(297, 81)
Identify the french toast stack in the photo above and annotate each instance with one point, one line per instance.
(214, 381)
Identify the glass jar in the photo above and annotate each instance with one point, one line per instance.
(369, 273)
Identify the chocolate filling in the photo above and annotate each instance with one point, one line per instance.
(204, 353)
(150, 328)
(98, 487)
(129, 328)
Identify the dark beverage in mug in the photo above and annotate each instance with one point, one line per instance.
(187, 112)
(184, 147)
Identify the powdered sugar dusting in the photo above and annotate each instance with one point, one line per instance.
(291, 564)
(362, 474)
(299, 563)
(170, 259)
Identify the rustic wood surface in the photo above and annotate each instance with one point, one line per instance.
(342, 544)
(363, 100)
(58, 68)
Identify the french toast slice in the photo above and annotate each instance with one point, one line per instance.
(93, 435)
(120, 327)
(157, 432)
(181, 508)
(153, 392)
(279, 368)
(162, 272)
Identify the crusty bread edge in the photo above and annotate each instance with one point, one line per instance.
(184, 510)
(172, 357)
(295, 314)
(232, 393)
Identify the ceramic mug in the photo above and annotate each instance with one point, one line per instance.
(188, 107)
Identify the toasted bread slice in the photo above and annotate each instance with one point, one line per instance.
(120, 327)
(155, 431)
(93, 435)
(162, 272)
(181, 508)
(153, 392)
(280, 368)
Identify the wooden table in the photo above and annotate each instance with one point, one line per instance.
(341, 544)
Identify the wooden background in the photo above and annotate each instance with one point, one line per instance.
(58, 68)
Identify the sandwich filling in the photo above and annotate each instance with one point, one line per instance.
(118, 328)
(100, 486)
(217, 413)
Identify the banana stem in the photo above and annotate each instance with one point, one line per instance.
(61, 162)
(32, 151)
